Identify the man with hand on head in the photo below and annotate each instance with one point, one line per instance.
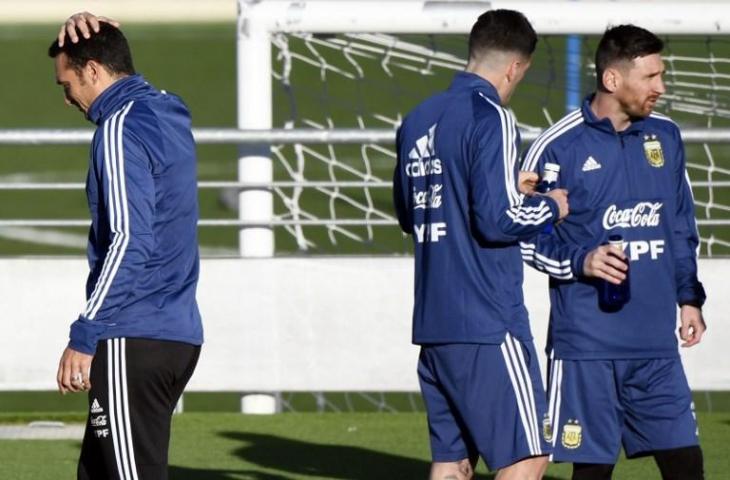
(136, 343)
(456, 191)
(615, 373)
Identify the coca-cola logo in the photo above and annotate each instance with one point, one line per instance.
(644, 214)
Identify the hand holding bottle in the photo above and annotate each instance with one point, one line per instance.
(548, 186)
(607, 263)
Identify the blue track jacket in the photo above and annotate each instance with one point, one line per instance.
(631, 183)
(143, 249)
(455, 191)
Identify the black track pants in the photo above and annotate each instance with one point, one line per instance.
(135, 385)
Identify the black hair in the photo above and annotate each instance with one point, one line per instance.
(108, 47)
(624, 43)
(502, 30)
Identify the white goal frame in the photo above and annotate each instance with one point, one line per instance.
(258, 20)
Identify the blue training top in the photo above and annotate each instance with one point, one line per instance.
(455, 191)
(142, 194)
(631, 183)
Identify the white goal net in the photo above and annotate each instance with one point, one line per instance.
(370, 80)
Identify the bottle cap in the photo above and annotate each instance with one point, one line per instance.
(616, 240)
(550, 175)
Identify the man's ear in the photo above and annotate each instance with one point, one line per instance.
(93, 71)
(611, 79)
(512, 70)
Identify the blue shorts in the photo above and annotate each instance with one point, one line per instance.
(483, 399)
(598, 405)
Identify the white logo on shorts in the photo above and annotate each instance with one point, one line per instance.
(99, 421)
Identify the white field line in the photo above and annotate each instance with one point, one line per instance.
(44, 236)
(42, 432)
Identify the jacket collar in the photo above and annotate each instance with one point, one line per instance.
(473, 81)
(116, 95)
(604, 124)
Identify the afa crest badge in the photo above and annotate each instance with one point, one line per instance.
(572, 434)
(653, 151)
(547, 428)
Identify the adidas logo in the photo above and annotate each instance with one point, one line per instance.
(591, 164)
(95, 407)
(424, 146)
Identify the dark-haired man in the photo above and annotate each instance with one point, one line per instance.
(136, 343)
(615, 373)
(455, 192)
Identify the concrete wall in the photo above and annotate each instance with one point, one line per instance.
(291, 324)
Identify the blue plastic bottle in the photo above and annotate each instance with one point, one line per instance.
(611, 296)
(548, 182)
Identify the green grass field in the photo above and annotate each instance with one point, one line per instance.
(198, 63)
(212, 442)
(354, 446)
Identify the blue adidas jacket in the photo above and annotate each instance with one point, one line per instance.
(143, 250)
(455, 191)
(631, 183)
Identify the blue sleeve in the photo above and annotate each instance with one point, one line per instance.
(548, 252)
(129, 201)
(686, 239)
(499, 212)
(401, 195)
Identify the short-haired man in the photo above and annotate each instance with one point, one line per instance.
(455, 191)
(136, 344)
(615, 373)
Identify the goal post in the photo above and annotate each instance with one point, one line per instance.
(254, 98)
(457, 16)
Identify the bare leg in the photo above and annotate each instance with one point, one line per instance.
(532, 468)
(461, 470)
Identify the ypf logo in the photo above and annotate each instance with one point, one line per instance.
(643, 214)
(422, 157)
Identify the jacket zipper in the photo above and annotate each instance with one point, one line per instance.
(625, 161)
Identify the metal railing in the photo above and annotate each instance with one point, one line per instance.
(274, 136)
(288, 136)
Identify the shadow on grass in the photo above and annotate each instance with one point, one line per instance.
(185, 473)
(296, 459)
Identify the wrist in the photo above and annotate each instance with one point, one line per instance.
(578, 261)
(691, 303)
(553, 205)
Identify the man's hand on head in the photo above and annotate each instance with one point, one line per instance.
(81, 23)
